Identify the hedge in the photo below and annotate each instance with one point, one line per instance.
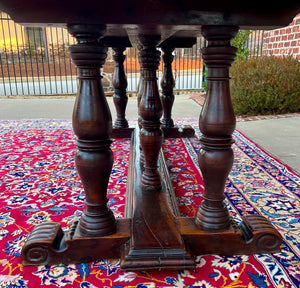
(265, 85)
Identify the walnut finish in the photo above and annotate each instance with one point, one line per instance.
(167, 84)
(167, 96)
(92, 125)
(120, 86)
(153, 236)
(217, 123)
(156, 242)
(150, 111)
(121, 128)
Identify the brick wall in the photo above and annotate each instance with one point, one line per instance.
(284, 41)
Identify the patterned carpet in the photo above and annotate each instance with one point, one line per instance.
(38, 182)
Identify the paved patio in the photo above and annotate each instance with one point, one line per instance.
(278, 136)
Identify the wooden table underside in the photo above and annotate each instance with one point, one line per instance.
(152, 235)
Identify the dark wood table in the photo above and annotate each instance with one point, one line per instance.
(152, 235)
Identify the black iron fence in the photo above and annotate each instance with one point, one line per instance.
(36, 61)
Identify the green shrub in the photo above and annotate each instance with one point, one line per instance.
(265, 85)
(239, 41)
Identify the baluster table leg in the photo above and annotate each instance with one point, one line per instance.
(213, 231)
(97, 234)
(120, 85)
(167, 85)
(121, 129)
(139, 97)
(217, 123)
(150, 110)
(92, 125)
(167, 97)
(141, 82)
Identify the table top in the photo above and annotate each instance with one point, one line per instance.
(262, 13)
(177, 19)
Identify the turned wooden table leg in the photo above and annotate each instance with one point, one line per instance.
(150, 111)
(217, 123)
(141, 82)
(92, 125)
(120, 86)
(139, 97)
(98, 234)
(167, 85)
(121, 129)
(167, 97)
(213, 231)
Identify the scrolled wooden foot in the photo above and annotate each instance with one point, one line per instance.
(259, 230)
(42, 244)
(49, 245)
(254, 235)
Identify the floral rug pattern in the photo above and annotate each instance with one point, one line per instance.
(38, 182)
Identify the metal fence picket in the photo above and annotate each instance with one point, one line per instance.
(35, 61)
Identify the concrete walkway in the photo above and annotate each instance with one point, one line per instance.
(62, 108)
(279, 137)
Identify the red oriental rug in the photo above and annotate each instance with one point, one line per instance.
(38, 182)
